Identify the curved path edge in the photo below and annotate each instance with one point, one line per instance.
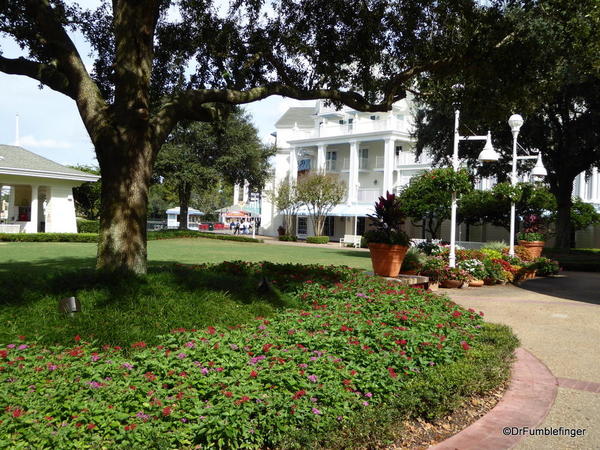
(526, 403)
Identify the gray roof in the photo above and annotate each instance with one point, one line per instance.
(302, 115)
(17, 158)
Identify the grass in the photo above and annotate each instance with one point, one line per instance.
(578, 259)
(40, 256)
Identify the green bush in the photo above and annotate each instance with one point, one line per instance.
(49, 237)
(287, 238)
(174, 234)
(413, 260)
(357, 345)
(495, 245)
(545, 266)
(88, 226)
(317, 239)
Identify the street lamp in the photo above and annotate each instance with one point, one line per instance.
(488, 154)
(539, 171)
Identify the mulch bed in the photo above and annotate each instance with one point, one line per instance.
(420, 434)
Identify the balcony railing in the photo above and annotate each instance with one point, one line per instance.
(363, 164)
(368, 195)
(330, 165)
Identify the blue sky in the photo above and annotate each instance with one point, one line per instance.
(49, 122)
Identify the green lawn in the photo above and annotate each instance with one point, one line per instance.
(63, 255)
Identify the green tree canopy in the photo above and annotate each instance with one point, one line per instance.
(428, 197)
(548, 71)
(199, 156)
(319, 193)
(87, 196)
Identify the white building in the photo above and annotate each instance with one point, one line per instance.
(194, 218)
(371, 153)
(40, 192)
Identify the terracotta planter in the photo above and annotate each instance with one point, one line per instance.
(408, 272)
(527, 275)
(533, 247)
(387, 259)
(476, 283)
(451, 284)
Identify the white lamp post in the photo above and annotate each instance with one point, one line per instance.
(488, 153)
(539, 171)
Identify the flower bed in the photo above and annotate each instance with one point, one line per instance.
(357, 343)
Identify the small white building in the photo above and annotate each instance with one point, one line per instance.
(194, 218)
(40, 192)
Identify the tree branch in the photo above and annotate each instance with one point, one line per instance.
(46, 74)
(85, 92)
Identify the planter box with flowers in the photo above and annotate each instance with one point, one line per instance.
(453, 277)
(475, 269)
(388, 243)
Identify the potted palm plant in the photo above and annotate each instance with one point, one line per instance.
(388, 243)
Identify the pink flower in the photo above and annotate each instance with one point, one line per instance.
(127, 366)
(190, 344)
(11, 346)
(365, 403)
(181, 355)
(369, 395)
(204, 371)
(23, 346)
(316, 411)
(312, 378)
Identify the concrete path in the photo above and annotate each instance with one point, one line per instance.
(558, 321)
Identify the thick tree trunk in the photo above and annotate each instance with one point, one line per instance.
(185, 193)
(125, 183)
(563, 218)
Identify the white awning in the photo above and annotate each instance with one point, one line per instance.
(345, 210)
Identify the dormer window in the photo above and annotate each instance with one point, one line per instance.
(374, 117)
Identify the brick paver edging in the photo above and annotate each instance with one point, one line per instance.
(526, 403)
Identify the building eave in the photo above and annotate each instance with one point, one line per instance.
(48, 174)
(342, 139)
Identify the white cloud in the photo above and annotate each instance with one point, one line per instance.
(32, 141)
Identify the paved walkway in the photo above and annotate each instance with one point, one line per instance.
(558, 321)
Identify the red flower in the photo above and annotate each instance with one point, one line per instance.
(299, 394)
(17, 412)
(91, 426)
(253, 374)
(227, 394)
(131, 427)
(392, 372)
(77, 338)
(267, 347)
(244, 399)
(401, 341)
(464, 345)
(138, 345)
(21, 337)
(346, 382)
(456, 314)
(167, 410)
(3, 353)
(211, 330)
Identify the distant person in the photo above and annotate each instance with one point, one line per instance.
(244, 227)
(237, 227)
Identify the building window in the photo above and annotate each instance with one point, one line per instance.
(328, 228)
(302, 225)
(360, 226)
(24, 214)
(330, 159)
(398, 150)
(363, 158)
(341, 121)
(374, 117)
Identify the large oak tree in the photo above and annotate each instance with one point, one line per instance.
(158, 62)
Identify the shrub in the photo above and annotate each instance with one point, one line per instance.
(317, 239)
(413, 260)
(388, 220)
(428, 248)
(495, 245)
(546, 266)
(287, 237)
(357, 345)
(474, 267)
(175, 234)
(491, 254)
(454, 273)
(494, 270)
(88, 226)
(433, 267)
(48, 237)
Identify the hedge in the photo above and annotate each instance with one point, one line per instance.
(317, 239)
(287, 237)
(93, 237)
(88, 226)
(49, 237)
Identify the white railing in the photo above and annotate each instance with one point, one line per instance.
(346, 164)
(368, 195)
(10, 228)
(379, 162)
(363, 163)
(409, 158)
(362, 126)
(330, 165)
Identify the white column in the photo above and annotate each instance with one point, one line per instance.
(513, 181)
(388, 166)
(32, 226)
(452, 256)
(353, 174)
(293, 165)
(245, 192)
(236, 193)
(581, 185)
(321, 149)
